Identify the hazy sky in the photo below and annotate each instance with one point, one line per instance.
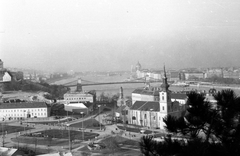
(97, 35)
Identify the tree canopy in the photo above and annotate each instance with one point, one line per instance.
(55, 91)
(211, 129)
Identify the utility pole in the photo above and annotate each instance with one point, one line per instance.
(122, 103)
(35, 142)
(82, 127)
(151, 120)
(3, 134)
(99, 115)
(69, 138)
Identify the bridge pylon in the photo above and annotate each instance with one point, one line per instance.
(147, 82)
(79, 85)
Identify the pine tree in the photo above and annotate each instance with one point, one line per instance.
(210, 129)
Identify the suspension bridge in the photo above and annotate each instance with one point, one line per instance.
(83, 82)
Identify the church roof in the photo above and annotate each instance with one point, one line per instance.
(146, 106)
(146, 92)
(149, 105)
(137, 105)
(178, 96)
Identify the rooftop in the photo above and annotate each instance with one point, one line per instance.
(146, 106)
(178, 96)
(23, 105)
(146, 91)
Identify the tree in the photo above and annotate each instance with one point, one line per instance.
(57, 110)
(149, 147)
(112, 144)
(4, 153)
(210, 129)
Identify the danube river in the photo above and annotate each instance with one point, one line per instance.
(112, 89)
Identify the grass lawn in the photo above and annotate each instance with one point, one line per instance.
(122, 140)
(63, 134)
(41, 141)
(123, 146)
(45, 141)
(54, 137)
(90, 123)
(49, 122)
(12, 129)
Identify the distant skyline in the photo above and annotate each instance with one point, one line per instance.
(102, 35)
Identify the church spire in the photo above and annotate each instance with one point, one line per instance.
(165, 84)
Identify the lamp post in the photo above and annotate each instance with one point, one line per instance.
(69, 140)
(3, 136)
(67, 116)
(151, 119)
(24, 130)
(35, 146)
(99, 115)
(82, 127)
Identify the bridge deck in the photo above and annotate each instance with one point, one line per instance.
(108, 83)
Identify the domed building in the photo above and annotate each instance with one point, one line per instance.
(138, 66)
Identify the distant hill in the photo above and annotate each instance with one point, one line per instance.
(55, 91)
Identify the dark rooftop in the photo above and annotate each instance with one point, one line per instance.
(23, 105)
(149, 105)
(146, 91)
(178, 96)
(146, 106)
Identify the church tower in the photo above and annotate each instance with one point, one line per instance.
(164, 99)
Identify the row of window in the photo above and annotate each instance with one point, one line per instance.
(76, 98)
(22, 110)
(152, 117)
(21, 115)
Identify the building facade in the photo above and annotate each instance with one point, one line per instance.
(17, 111)
(194, 75)
(151, 113)
(78, 97)
(155, 75)
(145, 94)
(152, 94)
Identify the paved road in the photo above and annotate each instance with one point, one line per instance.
(10, 143)
(39, 127)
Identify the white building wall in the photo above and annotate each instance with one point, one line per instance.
(146, 97)
(22, 113)
(69, 98)
(136, 97)
(161, 117)
(6, 77)
(157, 76)
(181, 101)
